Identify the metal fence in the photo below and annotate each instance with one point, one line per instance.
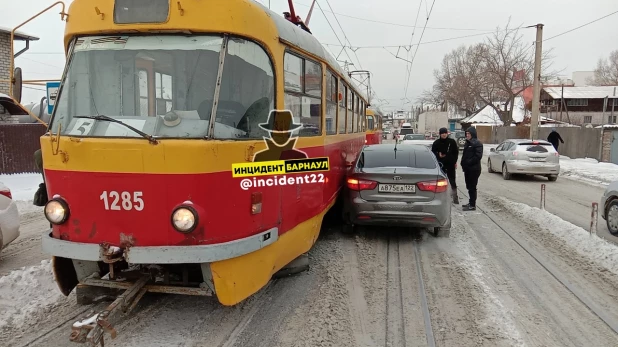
(578, 142)
(18, 142)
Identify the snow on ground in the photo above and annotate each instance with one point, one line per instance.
(25, 292)
(599, 251)
(588, 169)
(23, 187)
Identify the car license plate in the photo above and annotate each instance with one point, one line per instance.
(536, 159)
(397, 188)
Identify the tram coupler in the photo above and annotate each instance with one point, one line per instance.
(91, 330)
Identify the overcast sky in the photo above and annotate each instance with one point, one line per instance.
(578, 50)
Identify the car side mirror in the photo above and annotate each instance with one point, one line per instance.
(492, 149)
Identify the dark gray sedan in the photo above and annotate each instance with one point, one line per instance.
(402, 187)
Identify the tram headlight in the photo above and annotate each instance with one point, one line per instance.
(184, 219)
(56, 211)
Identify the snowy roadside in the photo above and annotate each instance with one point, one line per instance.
(597, 250)
(27, 292)
(23, 186)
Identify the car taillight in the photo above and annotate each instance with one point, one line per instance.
(557, 154)
(515, 153)
(6, 193)
(438, 186)
(356, 184)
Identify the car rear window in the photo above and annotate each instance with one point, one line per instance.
(536, 147)
(406, 131)
(421, 159)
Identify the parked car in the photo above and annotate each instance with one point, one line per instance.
(459, 137)
(416, 139)
(9, 217)
(386, 134)
(526, 157)
(403, 187)
(609, 207)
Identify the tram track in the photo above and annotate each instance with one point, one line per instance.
(405, 293)
(611, 321)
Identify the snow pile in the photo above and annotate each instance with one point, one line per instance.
(599, 251)
(22, 186)
(589, 170)
(25, 292)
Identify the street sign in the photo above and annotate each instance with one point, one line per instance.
(52, 93)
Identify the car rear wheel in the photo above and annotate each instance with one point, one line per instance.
(552, 178)
(611, 217)
(505, 172)
(444, 231)
(489, 169)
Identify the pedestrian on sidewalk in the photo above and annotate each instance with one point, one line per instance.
(471, 166)
(446, 151)
(553, 138)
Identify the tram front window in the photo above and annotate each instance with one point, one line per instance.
(165, 86)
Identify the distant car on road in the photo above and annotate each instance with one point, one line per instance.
(525, 157)
(459, 137)
(405, 187)
(9, 217)
(609, 207)
(416, 139)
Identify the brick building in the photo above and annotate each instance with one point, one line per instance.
(5, 53)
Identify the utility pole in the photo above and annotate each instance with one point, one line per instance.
(534, 121)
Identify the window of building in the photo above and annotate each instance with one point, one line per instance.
(303, 93)
(577, 102)
(587, 119)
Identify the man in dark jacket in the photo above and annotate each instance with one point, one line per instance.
(446, 151)
(554, 137)
(471, 165)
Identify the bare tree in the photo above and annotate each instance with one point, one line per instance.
(606, 73)
(508, 64)
(454, 81)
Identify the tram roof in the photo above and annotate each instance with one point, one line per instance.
(298, 37)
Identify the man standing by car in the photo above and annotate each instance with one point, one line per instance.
(471, 166)
(446, 151)
(553, 138)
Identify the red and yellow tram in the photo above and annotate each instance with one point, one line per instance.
(154, 109)
(374, 127)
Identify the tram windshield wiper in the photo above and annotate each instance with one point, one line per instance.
(150, 138)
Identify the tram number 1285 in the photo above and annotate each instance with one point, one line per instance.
(124, 200)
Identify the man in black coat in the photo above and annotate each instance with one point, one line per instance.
(553, 138)
(471, 165)
(446, 151)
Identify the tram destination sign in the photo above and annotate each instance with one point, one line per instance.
(141, 11)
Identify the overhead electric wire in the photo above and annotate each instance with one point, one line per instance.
(405, 95)
(581, 26)
(396, 24)
(343, 31)
(409, 67)
(334, 32)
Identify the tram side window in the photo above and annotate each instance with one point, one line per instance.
(369, 122)
(303, 93)
(163, 95)
(350, 118)
(331, 104)
(359, 115)
(342, 95)
(356, 117)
